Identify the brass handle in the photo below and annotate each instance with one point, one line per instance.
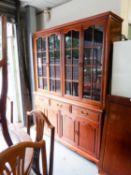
(60, 105)
(85, 113)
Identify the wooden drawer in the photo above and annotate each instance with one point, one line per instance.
(83, 112)
(40, 102)
(56, 105)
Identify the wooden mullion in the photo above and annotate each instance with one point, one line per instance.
(47, 64)
(71, 67)
(81, 63)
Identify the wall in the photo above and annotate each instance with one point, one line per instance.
(77, 9)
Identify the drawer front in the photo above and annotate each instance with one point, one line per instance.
(83, 112)
(40, 102)
(56, 105)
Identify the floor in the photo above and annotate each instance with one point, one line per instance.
(67, 162)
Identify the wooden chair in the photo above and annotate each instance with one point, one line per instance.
(13, 159)
(40, 119)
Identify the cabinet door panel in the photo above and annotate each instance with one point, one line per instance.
(87, 136)
(68, 128)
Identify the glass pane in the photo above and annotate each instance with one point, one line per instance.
(57, 71)
(75, 73)
(39, 67)
(87, 55)
(75, 39)
(88, 36)
(52, 71)
(57, 86)
(57, 42)
(51, 42)
(39, 45)
(87, 83)
(75, 89)
(44, 70)
(40, 82)
(75, 56)
(45, 83)
(0, 40)
(68, 73)
(43, 44)
(68, 88)
(52, 85)
(98, 34)
(38, 54)
(68, 40)
(68, 56)
(57, 57)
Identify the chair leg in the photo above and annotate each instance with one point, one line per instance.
(35, 165)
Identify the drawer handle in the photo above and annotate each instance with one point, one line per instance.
(60, 105)
(85, 113)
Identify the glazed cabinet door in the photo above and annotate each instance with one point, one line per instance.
(54, 63)
(93, 62)
(41, 60)
(48, 63)
(71, 62)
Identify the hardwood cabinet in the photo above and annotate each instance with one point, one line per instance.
(116, 143)
(72, 63)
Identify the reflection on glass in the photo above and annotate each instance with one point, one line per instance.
(93, 41)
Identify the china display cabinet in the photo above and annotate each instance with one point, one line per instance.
(72, 65)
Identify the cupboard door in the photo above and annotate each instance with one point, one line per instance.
(71, 60)
(92, 62)
(68, 128)
(87, 136)
(41, 63)
(54, 63)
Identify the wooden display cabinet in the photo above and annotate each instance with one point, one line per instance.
(72, 63)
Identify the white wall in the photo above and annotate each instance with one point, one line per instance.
(78, 9)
